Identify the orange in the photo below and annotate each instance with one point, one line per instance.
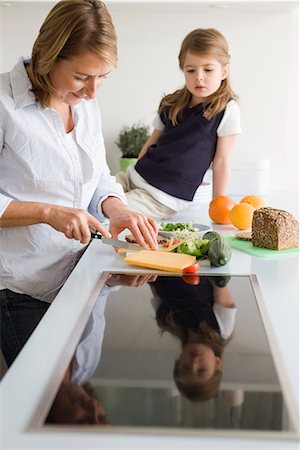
(241, 216)
(219, 209)
(254, 200)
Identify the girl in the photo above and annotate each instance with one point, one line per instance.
(195, 126)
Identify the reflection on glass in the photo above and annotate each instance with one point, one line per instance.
(174, 352)
(202, 317)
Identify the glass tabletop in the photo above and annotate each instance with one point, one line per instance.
(173, 353)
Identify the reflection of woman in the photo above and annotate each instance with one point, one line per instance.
(75, 401)
(202, 318)
(76, 404)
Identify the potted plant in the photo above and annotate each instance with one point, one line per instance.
(130, 141)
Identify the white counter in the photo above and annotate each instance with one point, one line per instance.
(38, 368)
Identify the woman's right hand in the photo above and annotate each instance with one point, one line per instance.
(73, 222)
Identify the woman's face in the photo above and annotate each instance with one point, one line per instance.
(78, 77)
(197, 363)
(203, 75)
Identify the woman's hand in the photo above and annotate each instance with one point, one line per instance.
(143, 228)
(73, 222)
(130, 280)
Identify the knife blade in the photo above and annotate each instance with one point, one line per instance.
(115, 242)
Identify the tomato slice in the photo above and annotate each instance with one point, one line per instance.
(192, 269)
(191, 279)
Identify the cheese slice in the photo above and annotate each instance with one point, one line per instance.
(171, 262)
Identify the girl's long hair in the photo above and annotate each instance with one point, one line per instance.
(204, 42)
(208, 336)
(70, 29)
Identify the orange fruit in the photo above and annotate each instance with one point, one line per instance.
(241, 216)
(219, 209)
(254, 200)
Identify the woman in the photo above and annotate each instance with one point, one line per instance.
(54, 180)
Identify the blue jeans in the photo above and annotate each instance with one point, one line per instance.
(19, 315)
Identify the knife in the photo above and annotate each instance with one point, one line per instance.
(115, 242)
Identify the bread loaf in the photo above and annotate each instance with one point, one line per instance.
(275, 229)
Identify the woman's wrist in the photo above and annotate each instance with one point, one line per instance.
(110, 204)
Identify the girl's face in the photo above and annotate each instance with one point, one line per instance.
(203, 76)
(78, 77)
(197, 363)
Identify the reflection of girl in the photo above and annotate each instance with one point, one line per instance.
(202, 318)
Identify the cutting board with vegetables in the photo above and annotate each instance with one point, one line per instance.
(247, 247)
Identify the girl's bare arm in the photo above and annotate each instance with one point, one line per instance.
(221, 164)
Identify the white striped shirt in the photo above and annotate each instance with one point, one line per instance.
(38, 163)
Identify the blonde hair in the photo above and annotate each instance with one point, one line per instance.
(208, 42)
(71, 28)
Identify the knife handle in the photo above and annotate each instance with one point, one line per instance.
(96, 235)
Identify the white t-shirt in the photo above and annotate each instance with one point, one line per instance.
(229, 125)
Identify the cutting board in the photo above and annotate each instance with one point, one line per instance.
(247, 247)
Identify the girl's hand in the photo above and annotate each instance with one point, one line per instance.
(143, 228)
(73, 222)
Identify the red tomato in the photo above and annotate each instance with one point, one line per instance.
(192, 279)
(166, 244)
(192, 269)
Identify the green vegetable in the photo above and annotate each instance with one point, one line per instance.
(198, 248)
(177, 226)
(219, 252)
(211, 235)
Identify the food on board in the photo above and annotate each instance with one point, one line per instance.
(202, 247)
(160, 239)
(275, 229)
(178, 226)
(171, 262)
(244, 235)
(219, 209)
(219, 251)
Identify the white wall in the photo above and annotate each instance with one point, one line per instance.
(264, 70)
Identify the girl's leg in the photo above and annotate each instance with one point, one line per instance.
(142, 202)
(124, 179)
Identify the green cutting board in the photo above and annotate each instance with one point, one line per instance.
(247, 247)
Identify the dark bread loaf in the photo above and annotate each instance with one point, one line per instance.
(275, 229)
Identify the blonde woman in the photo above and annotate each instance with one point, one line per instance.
(54, 179)
(195, 126)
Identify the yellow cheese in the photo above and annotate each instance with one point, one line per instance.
(172, 262)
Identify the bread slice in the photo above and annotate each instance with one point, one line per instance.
(160, 240)
(245, 235)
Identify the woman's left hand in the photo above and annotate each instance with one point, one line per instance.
(143, 228)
